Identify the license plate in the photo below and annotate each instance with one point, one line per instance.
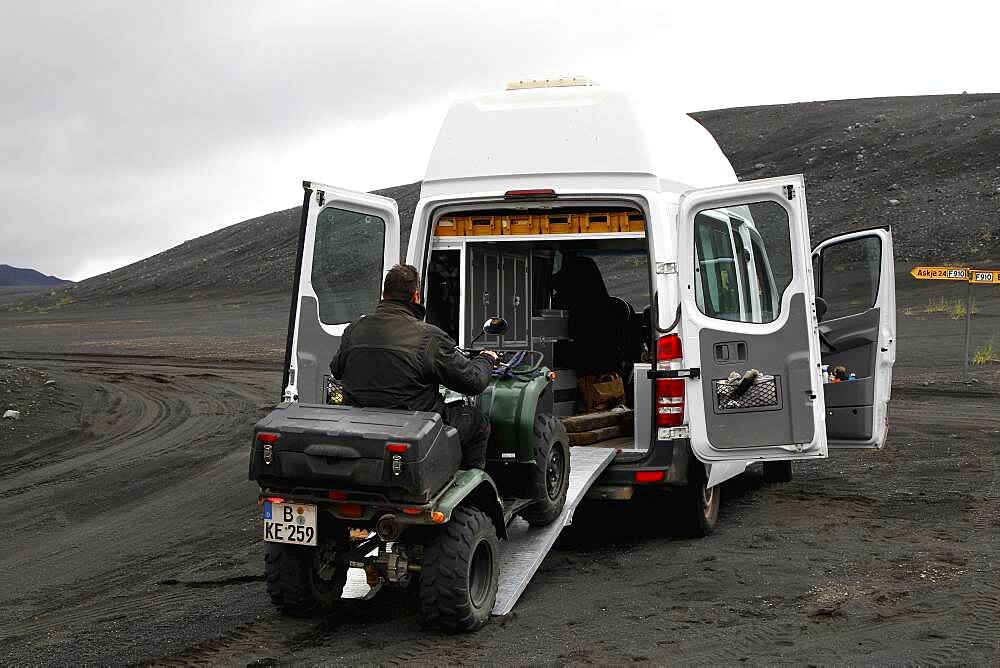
(293, 523)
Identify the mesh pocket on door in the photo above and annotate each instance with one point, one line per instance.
(762, 395)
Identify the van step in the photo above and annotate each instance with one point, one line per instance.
(525, 548)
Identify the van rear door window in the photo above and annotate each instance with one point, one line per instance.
(347, 281)
(718, 295)
(723, 261)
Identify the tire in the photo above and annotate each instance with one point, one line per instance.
(303, 581)
(460, 573)
(777, 472)
(550, 477)
(696, 506)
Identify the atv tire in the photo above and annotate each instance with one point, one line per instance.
(460, 572)
(304, 581)
(696, 505)
(550, 477)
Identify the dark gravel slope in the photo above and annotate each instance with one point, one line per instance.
(927, 165)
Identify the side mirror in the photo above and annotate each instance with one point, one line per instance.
(495, 326)
(821, 308)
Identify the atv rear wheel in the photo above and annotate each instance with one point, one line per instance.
(306, 581)
(460, 572)
(551, 473)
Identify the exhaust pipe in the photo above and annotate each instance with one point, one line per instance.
(387, 527)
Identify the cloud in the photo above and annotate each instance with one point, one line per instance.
(127, 127)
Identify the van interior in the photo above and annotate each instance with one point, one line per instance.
(573, 285)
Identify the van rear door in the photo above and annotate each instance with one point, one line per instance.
(735, 327)
(347, 242)
(854, 276)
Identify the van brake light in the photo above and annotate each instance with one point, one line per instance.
(668, 394)
(531, 193)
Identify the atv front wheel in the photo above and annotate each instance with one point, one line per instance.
(460, 572)
(550, 477)
(306, 581)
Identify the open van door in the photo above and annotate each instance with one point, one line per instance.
(855, 280)
(731, 325)
(347, 243)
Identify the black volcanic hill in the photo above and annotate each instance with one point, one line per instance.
(929, 166)
(16, 276)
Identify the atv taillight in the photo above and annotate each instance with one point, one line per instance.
(336, 496)
(267, 437)
(397, 448)
(668, 393)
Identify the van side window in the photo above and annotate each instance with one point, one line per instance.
(738, 281)
(849, 276)
(718, 292)
(348, 283)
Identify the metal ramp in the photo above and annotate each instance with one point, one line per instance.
(526, 547)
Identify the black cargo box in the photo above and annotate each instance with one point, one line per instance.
(344, 448)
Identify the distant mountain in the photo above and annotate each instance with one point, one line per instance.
(17, 276)
(926, 165)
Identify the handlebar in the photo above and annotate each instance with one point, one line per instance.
(511, 362)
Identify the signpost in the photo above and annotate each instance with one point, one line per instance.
(971, 277)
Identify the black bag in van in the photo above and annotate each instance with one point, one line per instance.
(408, 456)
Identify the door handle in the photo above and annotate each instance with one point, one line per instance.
(731, 352)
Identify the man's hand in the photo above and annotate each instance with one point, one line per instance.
(492, 355)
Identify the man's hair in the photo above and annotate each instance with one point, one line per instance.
(400, 283)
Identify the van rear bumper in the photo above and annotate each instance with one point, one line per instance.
(671, 457)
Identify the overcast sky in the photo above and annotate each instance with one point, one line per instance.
(128, 127)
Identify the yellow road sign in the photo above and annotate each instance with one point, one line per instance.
(940, 273)
(984, 276)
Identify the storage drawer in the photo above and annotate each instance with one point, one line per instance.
(521, 224)
(598, 222)
(479, 226)
(561, 223)
(630, 221)
(451, 226)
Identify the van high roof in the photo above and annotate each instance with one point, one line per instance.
(566, 135)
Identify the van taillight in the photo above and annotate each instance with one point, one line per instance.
(668, 392)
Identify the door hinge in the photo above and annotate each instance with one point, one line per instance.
(674, 373)
(789, 191)
(320, 197)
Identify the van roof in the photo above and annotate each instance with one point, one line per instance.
(568, 135)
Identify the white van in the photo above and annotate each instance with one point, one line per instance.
(615, 238)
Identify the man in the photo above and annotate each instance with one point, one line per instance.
(393, 359)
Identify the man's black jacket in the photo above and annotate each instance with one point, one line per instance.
(393, 359)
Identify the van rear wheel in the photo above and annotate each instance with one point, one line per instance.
(696, 505)
(550, 476)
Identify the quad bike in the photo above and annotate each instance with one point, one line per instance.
(381, 490)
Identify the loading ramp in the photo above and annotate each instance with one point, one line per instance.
(526, 547)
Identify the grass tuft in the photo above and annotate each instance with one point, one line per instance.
(986, 353)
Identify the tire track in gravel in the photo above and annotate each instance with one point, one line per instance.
(99, 511)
